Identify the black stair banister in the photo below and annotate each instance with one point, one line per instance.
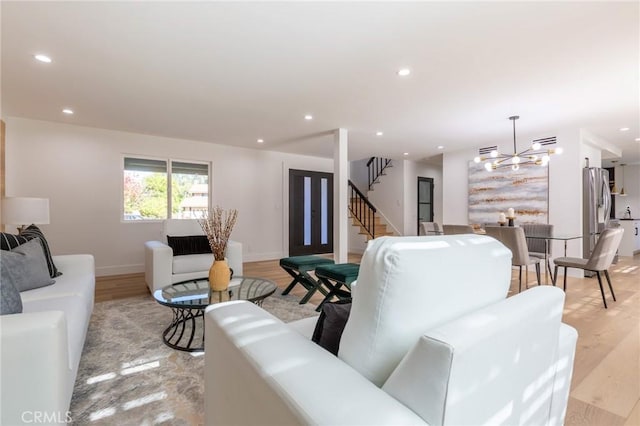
(376, 166)
(362, 209)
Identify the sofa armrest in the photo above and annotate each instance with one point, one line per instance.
(34, 363)
(158, 261)
(79, 264)
(251, 355)
(234, 257)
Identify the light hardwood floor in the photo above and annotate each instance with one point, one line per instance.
(605, 389)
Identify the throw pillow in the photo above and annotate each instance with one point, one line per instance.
(33, 231)
(10, 300)
(25, 267)
(331, 324)
(189, 244)
(11, 241)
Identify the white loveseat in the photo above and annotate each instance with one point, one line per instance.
(162, 268)
(41, 347)
(430, 339)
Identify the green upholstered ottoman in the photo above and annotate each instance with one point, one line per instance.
(334, 277)
(299, 267)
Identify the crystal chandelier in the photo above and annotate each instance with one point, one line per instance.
(533, 155)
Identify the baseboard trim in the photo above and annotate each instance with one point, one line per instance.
(103, 271)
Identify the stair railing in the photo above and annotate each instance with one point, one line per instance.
(376, 166)
(362, 209)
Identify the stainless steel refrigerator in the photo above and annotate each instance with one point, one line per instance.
(596, 206)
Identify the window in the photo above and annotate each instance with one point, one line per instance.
(156, 189)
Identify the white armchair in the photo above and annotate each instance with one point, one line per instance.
(430, 339)
(162, 268)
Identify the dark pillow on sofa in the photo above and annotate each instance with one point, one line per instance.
(11, 241)
(10, 300)
(331, 324)
(25, 266)
(189, 244)
(33, 231)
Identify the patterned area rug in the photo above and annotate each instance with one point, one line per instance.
(128, 376)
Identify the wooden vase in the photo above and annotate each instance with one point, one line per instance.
(219, 275)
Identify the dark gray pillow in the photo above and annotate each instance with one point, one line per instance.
(26, 267)
(10, 301)
(331, 323)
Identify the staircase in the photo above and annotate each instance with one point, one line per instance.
(364, 214)
(376, 167)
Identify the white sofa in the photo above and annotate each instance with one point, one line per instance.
(430, 339)
(41, 347)
(162, 268)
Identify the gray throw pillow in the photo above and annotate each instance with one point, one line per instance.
(26, 267)
(10, 301)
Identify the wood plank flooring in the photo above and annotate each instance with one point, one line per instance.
(605, 389)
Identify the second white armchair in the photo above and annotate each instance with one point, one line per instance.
(162, 268)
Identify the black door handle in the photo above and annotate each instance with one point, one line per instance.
(636, 231)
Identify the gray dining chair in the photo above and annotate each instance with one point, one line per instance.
(457, 229)
(513, 238)
(599, 261)
(538, 246)
(430, 228)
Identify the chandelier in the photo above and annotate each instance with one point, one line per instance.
(536, 154)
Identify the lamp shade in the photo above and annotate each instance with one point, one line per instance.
(25, 210)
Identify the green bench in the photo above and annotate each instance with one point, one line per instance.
(334, 277)
(299, 267)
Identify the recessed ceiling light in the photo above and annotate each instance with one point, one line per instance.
(440, 147)
(403, 72)
(637, 139)
(68, 111)
(260, 140)
(308, 117)
(43, 58)
(624, 129)
(379, 133)
(405, 153)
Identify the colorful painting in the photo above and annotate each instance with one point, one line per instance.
(525, 190)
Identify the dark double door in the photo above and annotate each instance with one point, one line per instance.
(310, 212)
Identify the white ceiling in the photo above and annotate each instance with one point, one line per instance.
(231, 73)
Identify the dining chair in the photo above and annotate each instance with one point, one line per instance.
(538, 246)
(599, 261)
(457, 229)
(430, 228)
(514, 239)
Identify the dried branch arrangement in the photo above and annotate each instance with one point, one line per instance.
(218, 226)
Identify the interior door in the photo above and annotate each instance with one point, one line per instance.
(425, 201)
(310, 212)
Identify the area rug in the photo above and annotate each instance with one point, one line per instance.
(127, 376)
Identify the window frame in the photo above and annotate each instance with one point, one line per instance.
(169, 171)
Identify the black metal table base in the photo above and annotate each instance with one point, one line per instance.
(181, 334)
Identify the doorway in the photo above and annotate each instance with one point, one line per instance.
(425, 201)
(310, 212)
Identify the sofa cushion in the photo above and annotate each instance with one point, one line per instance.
(33, 231)
(11, 241)
(10, 301)
(76, 316)
(78, 279)
(407, 285)
(331, 324)
(189, 244)
(25, 266)
(192, 263)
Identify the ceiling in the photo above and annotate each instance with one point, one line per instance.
(232, 73)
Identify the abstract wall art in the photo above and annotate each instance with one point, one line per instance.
(525, 190)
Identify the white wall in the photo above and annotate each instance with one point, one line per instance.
(631, 183)
(80, 170)
(359, 175)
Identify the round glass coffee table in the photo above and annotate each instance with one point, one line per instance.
(188, 300)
